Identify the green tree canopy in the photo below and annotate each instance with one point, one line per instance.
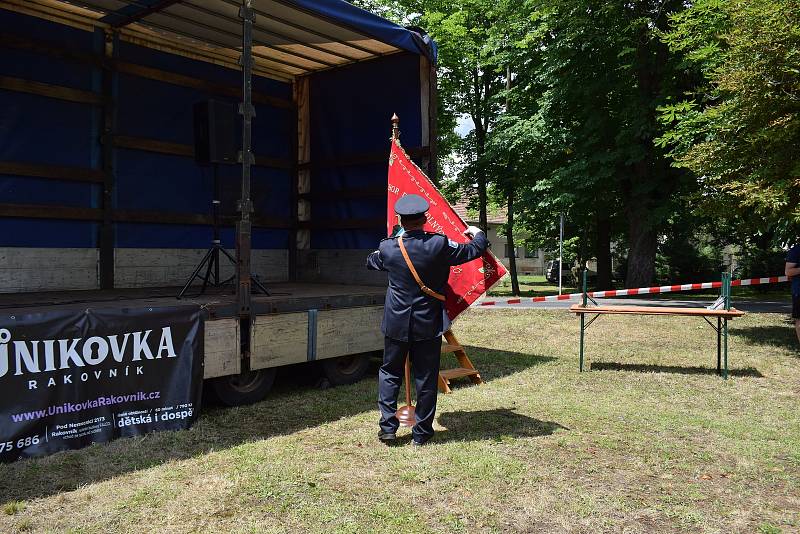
(667, 127)
(738, 130)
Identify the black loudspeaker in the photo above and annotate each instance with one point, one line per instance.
(215, 132)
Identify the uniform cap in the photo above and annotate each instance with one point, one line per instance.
(411, 205)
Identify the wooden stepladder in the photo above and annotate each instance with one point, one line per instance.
(452, 346)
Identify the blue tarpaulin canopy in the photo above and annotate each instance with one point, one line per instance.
(291, 37)
(97, 127)
(383, 30)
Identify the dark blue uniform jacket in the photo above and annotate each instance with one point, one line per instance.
(794, 257)
(410, 314)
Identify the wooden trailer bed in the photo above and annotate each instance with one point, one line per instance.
(298, 322)
(285, 297)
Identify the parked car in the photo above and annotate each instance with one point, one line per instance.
(551, 273)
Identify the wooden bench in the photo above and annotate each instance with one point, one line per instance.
(733, 313)
(722, 311)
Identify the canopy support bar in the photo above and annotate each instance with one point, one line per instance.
(134, 17)
(314, 32)
(244, 226)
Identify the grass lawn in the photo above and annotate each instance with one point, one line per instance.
(649, 441)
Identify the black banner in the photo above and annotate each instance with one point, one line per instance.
(70, 378)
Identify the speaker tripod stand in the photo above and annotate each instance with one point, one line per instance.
(210, 261)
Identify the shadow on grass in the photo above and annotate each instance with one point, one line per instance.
(492, 363)
(649, 368)
(294, 405)
(492, 424)
(770, 336)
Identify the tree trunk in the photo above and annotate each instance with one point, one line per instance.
(653, 169)
(483, 219)
(583, 257)
(512, 260)
(480, 144)
(603, 251)
(642, 253)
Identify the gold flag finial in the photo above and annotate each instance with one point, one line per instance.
(395, 127)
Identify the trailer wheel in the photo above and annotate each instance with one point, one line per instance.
(346, 369)
(247, 388)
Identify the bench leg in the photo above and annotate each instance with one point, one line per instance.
(719, 345)
(725, 347)
(583, 318)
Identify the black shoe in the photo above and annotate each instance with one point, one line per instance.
(415, 443)
(387, 437)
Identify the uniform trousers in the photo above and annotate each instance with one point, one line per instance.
(425, 359)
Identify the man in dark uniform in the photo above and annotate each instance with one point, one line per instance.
(793, 272)
(414, 318)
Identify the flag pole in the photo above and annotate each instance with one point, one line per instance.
(395, 127)
(405, 414)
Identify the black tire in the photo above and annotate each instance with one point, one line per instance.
(346, 369)
(247, 388)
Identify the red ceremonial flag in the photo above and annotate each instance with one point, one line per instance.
(467, 282)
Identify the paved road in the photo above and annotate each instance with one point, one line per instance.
(761, 306)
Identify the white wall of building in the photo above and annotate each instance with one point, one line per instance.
(528, 261)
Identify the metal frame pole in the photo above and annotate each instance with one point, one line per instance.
(719, 345)
(583, 315)
(244, 226)
(108, 44)
(725, 348)
(726, 288)
(561, 252)
(216, 210)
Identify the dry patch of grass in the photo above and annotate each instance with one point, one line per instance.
(649, 441)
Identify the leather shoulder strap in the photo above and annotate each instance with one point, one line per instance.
(425, 289)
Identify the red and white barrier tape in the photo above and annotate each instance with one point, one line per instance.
(639, 291)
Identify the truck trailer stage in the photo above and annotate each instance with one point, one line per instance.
(103, 204)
